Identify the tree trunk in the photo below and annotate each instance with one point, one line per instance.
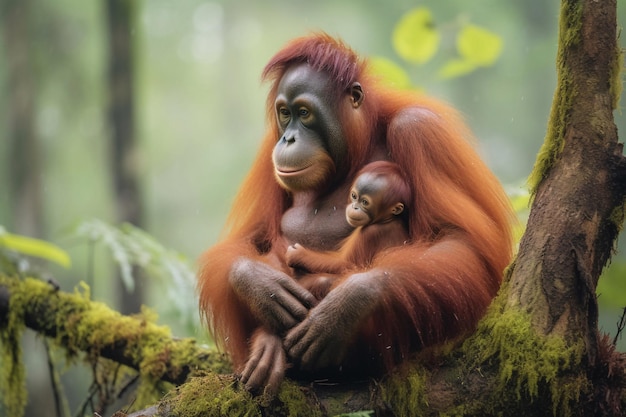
(25, 171)
(579, 183)
(124, 147)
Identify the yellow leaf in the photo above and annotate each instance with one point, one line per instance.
(415, 37)
(478, 45)
(456, 68)
(35, 247)
(390, 72)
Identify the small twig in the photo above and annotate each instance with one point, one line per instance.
(130, 405)
(621, 324)
(93, 390)
(60, 402)
(127, 386)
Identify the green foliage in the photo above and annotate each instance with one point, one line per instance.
(132, 247)
(477, 47)
(391, 72)
(417, 39)
(612, 285)
(34, 247)
(368, 413)
(456, 67)
(520, 201)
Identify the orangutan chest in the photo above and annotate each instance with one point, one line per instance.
(316, 228)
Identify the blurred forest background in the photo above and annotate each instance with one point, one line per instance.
(198, 115)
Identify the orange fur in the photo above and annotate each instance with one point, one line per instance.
(357, 251)
(441, 283)
(380, 233)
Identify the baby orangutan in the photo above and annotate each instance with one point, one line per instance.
(378, 198)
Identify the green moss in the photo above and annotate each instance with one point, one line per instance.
(570, 33)
(527, 363)
(617, 216)
(81, 325)
(615, 79)
(534, 374)
(13, 376)
(90, 326)
(405, 390)
(554, 141)
(294, 402)
(210, 395)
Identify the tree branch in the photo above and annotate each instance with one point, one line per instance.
(78, 324)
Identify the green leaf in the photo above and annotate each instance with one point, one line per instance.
(520, 201)
(478, 45)
(456, 68)
(35, 247)
(132, 247)
(612, 286)
(390, 72)
(415, 37)
(121, 250)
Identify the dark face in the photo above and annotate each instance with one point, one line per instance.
(367, 202)
(312, 145)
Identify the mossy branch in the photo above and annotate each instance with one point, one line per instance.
(78, 324)
(487, 375)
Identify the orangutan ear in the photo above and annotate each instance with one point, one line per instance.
(397, 209)
(356, 95)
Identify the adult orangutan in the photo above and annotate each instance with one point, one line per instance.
(376, 210)
(327, 118)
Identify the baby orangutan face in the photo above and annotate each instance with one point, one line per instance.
(368, 204)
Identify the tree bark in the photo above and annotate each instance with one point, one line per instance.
(580, 176)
